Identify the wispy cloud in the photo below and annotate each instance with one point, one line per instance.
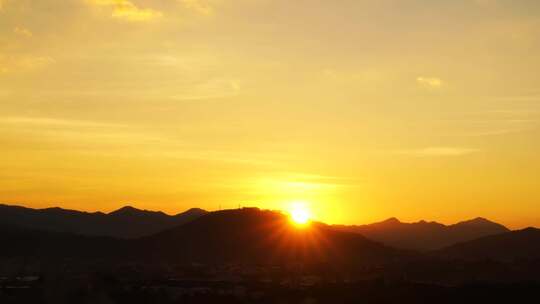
(23, 62)
(200, 6)
(525, 97)
(429, 82)
(496, 132)
(21, 31)
(47, 121)
(127, 10)
(32, 62)
(438, 151)
(496, 122)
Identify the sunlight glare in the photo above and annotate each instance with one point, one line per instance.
(300, 214)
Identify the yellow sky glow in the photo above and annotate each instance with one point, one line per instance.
(364, 109)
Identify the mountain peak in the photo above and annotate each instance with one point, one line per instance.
(479, 224)
(529, 230)
(392, 220)
(126, 210)
(477, 221)
(480, 220)
(194, 211)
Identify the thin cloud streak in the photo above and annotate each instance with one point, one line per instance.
(21, 31)
(199, 6)
(430, 82)
(126, 10)
(438, 151)
(45, 121)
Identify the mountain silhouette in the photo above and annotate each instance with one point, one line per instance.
(509, 246)
(251, 235)
(424, 235)
(250, 238)
(244, 236)
(126, 222)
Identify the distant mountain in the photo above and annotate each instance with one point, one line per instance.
(521, 244)
(127, 222)
(424, 235)
(251, 235)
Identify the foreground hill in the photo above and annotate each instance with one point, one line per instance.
(254, 236)
(127, 222)
(510, 246)
(424, 235)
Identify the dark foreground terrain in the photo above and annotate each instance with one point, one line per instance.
(255, 256)
(110, 289)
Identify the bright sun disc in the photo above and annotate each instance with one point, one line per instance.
(300, 214)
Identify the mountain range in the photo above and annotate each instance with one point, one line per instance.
(425, 236)
(243, 236)
(249, 235)
(126, 222)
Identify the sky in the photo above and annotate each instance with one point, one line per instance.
(362, 110)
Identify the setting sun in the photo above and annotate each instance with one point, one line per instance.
(300, 214)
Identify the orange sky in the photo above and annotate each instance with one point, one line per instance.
(362, 109)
